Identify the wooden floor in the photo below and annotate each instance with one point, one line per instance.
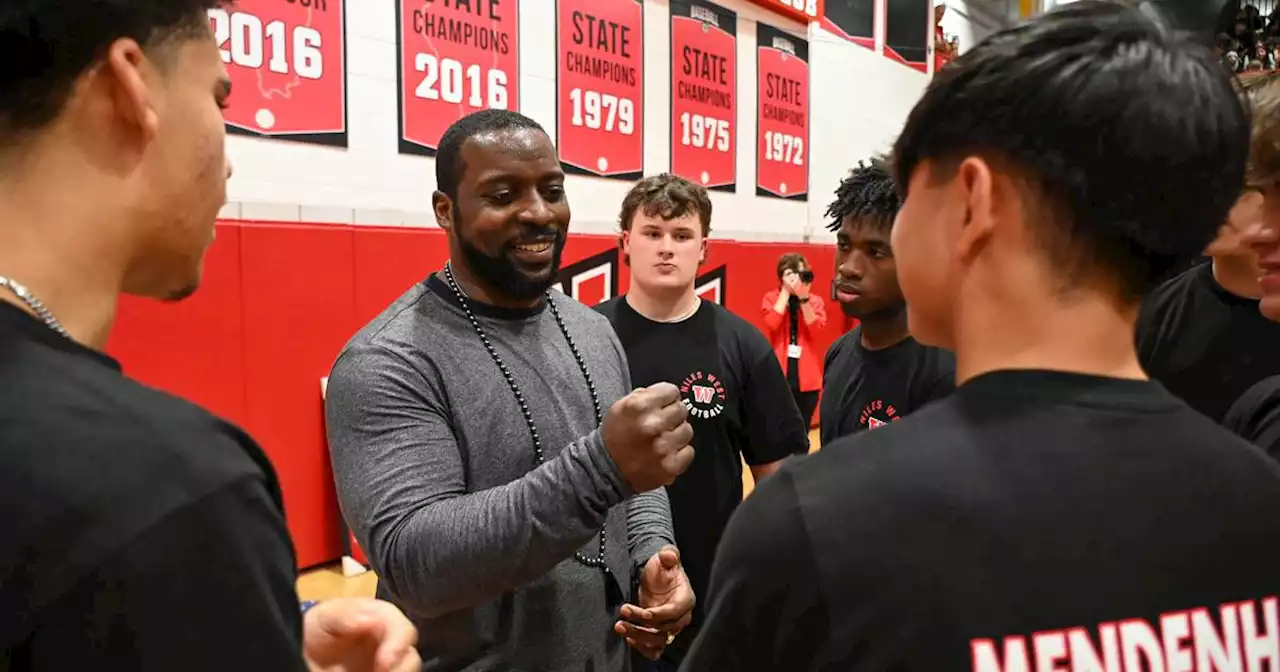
(326, 582)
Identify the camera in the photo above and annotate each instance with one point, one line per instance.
(806, 276)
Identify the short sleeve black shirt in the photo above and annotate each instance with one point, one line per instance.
(866, 389)
(1031, 520)
(1256, 416)
(1205, 344)
(141, 533)
(740, 408)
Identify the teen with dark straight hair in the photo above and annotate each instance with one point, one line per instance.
(1058, 509)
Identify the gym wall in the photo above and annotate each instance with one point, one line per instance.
(857, 100)
(329, 218)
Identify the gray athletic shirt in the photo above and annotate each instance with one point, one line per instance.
(436, 476)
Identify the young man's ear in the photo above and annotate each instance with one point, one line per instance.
(702, 254)
(624, 244)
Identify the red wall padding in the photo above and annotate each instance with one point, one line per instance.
(194, 348)
(279, 301)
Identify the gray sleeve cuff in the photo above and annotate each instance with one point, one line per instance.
(649, 525)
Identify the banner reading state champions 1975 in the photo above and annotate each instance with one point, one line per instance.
(704, 93)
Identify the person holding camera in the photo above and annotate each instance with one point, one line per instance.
(791, 316)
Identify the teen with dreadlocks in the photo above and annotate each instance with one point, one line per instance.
(876, 373)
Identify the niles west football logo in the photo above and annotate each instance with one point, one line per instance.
(703, 394)
(886, 412)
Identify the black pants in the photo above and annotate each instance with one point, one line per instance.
(807, 402)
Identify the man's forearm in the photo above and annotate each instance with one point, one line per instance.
(649, 526)
(806, 309)
(463, 551)
(780, 306)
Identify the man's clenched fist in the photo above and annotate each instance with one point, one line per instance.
(648, 437)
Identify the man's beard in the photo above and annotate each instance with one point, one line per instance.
(502, 274)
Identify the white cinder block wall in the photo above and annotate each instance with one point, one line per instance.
(859, 100)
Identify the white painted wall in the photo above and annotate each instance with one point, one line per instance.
(858, 103)
(973, 20)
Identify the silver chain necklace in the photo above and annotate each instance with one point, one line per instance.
(27, 298)
(599, 560)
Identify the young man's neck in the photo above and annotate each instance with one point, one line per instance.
(1086, 333)
(56, 244)
(884, 329)
(662, 306)
(1238, 275)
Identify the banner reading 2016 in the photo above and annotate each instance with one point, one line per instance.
(782, 114)
(600, 87)
(287, 69)
(456, 57)
(704, 93)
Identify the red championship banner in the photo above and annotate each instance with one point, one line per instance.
(287, 62)
(782, 114)
(600, 87)
(456, 57)
(704, 93)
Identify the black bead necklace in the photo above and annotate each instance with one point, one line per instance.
(599, 560)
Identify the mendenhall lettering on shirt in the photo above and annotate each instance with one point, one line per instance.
(1244, 638)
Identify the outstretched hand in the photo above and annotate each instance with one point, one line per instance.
(352, 634)
(665, 605)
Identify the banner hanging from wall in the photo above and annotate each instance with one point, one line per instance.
(782, 114)
(287, 64)
(908, 30)
(600, 87)
(704, 93)
(455, 59)
(853, 20)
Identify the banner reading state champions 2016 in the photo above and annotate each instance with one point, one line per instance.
(286, 61)
(456, 57)
(704, 93)
(782, 114)
(600, 87)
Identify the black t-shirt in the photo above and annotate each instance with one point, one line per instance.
(141, 533)
(1256, 416)
(1205, 344)
(1030, 516)
(739, 406)
(864, 388)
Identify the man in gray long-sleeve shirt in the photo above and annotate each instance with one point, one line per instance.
(465, 426)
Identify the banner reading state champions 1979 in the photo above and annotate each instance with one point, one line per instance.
(704, 93)
(287, 67)
(455, 58)
(782, 114)
(600, 87)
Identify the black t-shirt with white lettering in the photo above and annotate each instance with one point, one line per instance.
(1205, 344)
(140, 533)
(1256, 416)
(867, 389)
(740, 408)
(1032, 520)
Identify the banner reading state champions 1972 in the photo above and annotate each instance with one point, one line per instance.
(782, 114)
(456, 57)
(600, 87)
(287, 67)
(704, 93)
